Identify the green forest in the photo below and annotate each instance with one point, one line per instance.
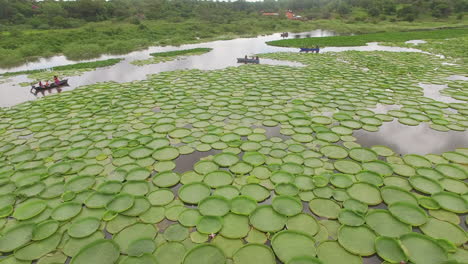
(85, 29)
(68, 14)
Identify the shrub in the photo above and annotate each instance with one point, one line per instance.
(77, 51)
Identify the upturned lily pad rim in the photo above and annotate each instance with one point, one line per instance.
(294, 233)
(254, 245)
(187, 254)
(411, 207)
(75, 259)
(397, 242)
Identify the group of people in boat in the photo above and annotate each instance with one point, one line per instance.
(46, 84)
(252, 57)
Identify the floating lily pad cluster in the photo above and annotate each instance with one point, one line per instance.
(170, 56)
(244, 165)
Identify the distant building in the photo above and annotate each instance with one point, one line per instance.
(290, 15)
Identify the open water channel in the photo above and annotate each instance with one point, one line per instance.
(403, 139)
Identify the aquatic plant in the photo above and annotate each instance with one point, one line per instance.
(361, 40)
(170, 55)
(65, 70)
(203, 166)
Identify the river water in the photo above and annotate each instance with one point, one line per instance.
(223, 55)
(403, 139)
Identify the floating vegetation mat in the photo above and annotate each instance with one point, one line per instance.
(63, 71)
(170, 56)
(103, 174)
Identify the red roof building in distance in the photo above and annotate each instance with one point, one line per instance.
(269, 14)
(290, 15)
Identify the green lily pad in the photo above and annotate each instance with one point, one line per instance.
(243, 205)
(16, 237)
(358, 240)
(84, 227)
(408, 213)
(451, 202)
(194, 192)
(303, 223)
(167, 153)
(209, 224)
(218, 178)
(235, 226)
(189, 217)
(266, 219)
(385, 224)
(422, 249)
(30, 209)
(161, 197)
(214, 206)
(170, 252)
(332, 252)
(205, 254)
(287, 205)
(101, 251)
(120, 203)
(254, 254)
(290, 244)
(38, 249)
(66, 211)
(444, 230)
(45, 229)
(350, 218)
(225, 159)
(134, 232)
(140, 247)
(256, 191)
(390, 250)
(425, 185)
(393, 194)
(176, 232)
(325, 208)
(366, 193)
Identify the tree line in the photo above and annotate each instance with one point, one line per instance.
(68, 14)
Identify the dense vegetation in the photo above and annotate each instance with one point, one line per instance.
(158, 57)
(180, 52)
(361, 40)
(66, 14)
(85, 29)
(76, 66)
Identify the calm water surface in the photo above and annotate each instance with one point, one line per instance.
(403, 139)
(223, 55)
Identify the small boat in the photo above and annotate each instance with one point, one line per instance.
(244, 60)
(35, 89)
(285, 35)
(307, 50)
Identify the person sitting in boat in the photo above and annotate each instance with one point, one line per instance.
(257, 58)
(47, 84)
(56, 80)
(317, 49)
(41, 85)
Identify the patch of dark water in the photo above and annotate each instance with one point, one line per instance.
(419, 139)
(185, 163)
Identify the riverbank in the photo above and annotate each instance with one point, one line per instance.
(361, 40)
(66, 70)
(110, 37)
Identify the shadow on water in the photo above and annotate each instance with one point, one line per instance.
(419, 139)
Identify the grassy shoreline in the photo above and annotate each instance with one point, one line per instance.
(94, 39)
(361, 40)
(77, 66)
(158, 57)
